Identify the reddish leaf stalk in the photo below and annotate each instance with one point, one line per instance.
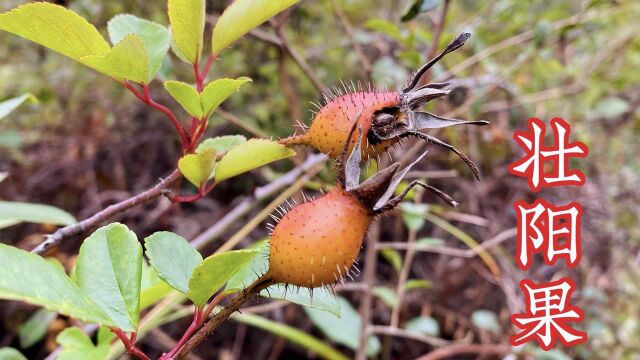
(202, 192)
(129, 343)
(198, 320)
(145, 97)
(200, 76)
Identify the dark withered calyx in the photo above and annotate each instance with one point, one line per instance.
(377, 192)
(404, 121)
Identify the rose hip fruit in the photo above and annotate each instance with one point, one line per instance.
(317, 242)
(385, 117)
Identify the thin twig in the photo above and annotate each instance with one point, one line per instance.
(530, 34)
(437, 32)
(367, 297)
(299, 60)
(404, 272)
(408, 334)
(241, 124)
(346, 25)
(57, 237)
(469, 253)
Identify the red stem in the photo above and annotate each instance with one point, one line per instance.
(146, 98)
(200, 76)
(195, 324)
(202, 192)
(129, 344)
(214, 302)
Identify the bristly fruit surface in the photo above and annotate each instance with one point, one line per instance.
(330, 128)
(317, 242)
(385, 117)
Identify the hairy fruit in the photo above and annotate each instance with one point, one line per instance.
(385, 117)
(330, 127)
(317, 242)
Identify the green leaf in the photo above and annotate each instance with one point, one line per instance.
(156, 38)
(388, 28)
(486, 320)
(126, 61)
(243, 16)
(153, 288)
(78, 346)
(55, 27)
(413, 284)
(319, 298)
(109, 269)
(30, 278)
(221, 144)
(9, 353)
(252, 270)
(173, 258)
(186, 96)
(612, 107)
(7, 106)
(187, 18)
(16, 212)
(198, 168)
(419, 6)
(105, 336)
(386, 295)
(429, 241)
(34, 329)
(424, 325)
(393, 257)
(413, 215)
(292, 334)
(344, 330)
(218, 91)
(250, 155)
(211, 274)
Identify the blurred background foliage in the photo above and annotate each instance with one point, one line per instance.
(88, 143)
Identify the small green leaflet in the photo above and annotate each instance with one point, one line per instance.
(344, 330)
(198, 168)
(12, 212)
(186, 96)
(173, 258)
(187, 18)
(34, 329)
(203, 105)
(126, 61)
(424, 325)
(109, 269)
(7, 106)
(218, 91)
(78, 346)
(211, 274)
(156, 38)
(221, 144)
(250, 155)
(9, 353)
(243, 16)
(319, 298)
